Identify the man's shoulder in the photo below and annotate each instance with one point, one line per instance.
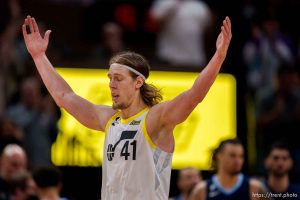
(295, 187)
(257, 184)
(63, 198)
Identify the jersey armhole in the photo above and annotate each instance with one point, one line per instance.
(110, 121)
(146, 135)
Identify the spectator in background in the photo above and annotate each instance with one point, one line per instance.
(10, 133)
(187, 179)
(13, 160)
(279, 164)
(278, 115)
(229, 183)
(183, 25)
(22, 187)
(265, 51)
(35, 114)
(111, 41)
(49, 183)
(12, 58)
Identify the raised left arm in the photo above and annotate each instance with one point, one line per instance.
(177, 110)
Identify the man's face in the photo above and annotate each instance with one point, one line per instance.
(231, 158)
(122, 87)
(278, 162)
(28, 192)
(188, 178)
(31, 187)
(12, 164)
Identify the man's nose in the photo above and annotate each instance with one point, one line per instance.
(112, 84)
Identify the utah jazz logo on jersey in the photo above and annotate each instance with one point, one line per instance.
(126, 135)
(116, 121)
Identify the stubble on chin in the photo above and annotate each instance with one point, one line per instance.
(119, 106)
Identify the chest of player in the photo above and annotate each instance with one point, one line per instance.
(123, 140)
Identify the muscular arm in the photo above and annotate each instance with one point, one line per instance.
(173, 112)
(91, 115)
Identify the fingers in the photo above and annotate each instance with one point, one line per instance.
(35, 26)
(227, 22)
(24, 30)
(47, 34)
(30, 23)
(226, 28)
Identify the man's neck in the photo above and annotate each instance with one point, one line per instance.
(133, 109)
(278, 184)
(49, 194)
(227, 180)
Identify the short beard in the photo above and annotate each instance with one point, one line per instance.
(279, 174)
(119, 106)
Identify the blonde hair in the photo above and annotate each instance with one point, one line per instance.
(150, 94)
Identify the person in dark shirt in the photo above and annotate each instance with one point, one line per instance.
(13, 159)
(279, 163)
(22, 186)
(49, 182)
(229, 183)
(187, 179)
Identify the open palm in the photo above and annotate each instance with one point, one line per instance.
(224, 37)
(35, 43)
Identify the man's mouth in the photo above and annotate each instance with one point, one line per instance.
(115, 97)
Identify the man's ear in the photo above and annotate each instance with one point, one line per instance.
(139, 82)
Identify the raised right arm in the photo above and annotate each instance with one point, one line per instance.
(89, 114)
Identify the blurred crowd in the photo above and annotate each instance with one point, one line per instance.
(174, 35)
(228, 181)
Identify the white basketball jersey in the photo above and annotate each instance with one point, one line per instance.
(133, 167)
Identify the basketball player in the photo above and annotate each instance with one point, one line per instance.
(139, 130)
(229, 183)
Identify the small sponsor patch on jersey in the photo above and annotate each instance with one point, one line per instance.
(134, 122)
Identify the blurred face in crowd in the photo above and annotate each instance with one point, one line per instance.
(231, 159)
(30, 93)
(279, 162)
(12, 161)
(29, 192)
(31, 187)
(112, 37)
(188, 178)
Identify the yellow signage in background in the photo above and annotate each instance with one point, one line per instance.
(212, 120)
